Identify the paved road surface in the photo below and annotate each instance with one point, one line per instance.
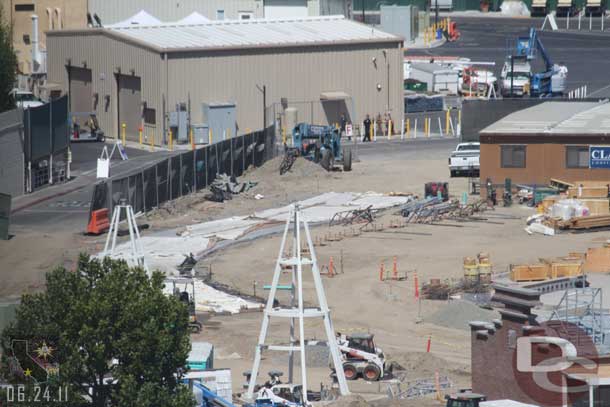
(70, 211)
(586, 54)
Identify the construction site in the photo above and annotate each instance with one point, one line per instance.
(402, 272)
(417, 216)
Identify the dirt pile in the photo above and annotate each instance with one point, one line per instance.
(426, 364)
(353, 400)
(272, 190)
(457, 314)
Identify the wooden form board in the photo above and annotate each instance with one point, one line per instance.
(597, 260)
(529, 272)
(546, 270)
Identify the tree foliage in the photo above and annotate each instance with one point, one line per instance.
(8, 66)
(110, 321)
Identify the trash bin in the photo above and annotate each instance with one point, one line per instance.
(439, 33)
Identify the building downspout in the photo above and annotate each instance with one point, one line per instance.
(166, 99)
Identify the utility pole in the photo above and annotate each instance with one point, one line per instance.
(436, 14)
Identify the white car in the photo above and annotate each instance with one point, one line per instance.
(25, 99)
(464, 160)
(519, 78)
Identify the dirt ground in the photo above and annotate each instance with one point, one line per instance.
(358, 300)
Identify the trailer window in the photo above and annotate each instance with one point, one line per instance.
(577, 157)
(512, 156)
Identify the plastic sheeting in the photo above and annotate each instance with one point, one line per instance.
(165, 251)
(514, 8)
(322, 208)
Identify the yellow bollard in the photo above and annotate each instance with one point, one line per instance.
(447, 121)
(140, 134)
(171, 142)
(460, 118)
(152, 140)
(228, 133)
(209, 136)
(123, 129)
(192, 140)
(390, 129)
(409, 128)
(247, 131)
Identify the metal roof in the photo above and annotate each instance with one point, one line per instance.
(432, 68)
(253, 33)
(556, 118)
(200, 351)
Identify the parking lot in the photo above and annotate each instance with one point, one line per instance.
(487, 40)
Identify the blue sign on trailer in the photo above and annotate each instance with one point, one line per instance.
(599, 156)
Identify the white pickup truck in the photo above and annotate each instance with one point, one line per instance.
(465, 159)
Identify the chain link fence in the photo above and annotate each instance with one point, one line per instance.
(185, 173)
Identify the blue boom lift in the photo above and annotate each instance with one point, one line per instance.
(552, 80)
(321, 144)
(209, 398)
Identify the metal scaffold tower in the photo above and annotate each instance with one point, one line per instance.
(583, 307)
(294, 265)
(136, 256)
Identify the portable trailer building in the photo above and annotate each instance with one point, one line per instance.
(138, 74)
(438, 78)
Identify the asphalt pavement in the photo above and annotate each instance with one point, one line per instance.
(66, 206)
(585, 53)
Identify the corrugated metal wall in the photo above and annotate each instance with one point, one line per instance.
(12, 169)
(105, 56)
(299, 74)
(113, 11)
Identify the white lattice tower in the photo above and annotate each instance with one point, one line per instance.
(136, 257)
(296, 312)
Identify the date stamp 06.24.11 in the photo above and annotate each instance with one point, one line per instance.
(21, 393)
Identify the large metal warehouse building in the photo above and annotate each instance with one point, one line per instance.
(136, 75)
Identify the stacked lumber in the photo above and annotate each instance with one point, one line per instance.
(584, 222)
(588, 189)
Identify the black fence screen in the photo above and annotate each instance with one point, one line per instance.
(46, 129)
(185, 173)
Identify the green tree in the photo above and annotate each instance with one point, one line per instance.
(109, 320)
(8, 66)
